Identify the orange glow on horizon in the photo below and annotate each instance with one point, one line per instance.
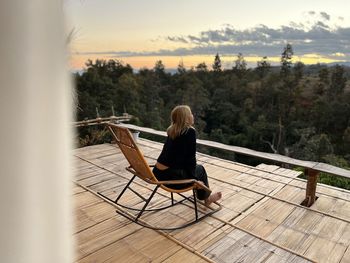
(77, 62)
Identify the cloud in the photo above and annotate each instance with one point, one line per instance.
(320, 15)
(325, 16)
(338, 54)
(317, 37)
(178, 39)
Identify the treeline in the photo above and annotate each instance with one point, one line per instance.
(285, 111)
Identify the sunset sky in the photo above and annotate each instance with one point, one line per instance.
(140, 32)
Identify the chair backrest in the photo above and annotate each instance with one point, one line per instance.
(131, 152)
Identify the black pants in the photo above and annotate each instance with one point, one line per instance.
(179, 174)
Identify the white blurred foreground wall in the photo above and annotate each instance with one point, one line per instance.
(35, 137)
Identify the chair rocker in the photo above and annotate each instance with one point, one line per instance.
(139, 168)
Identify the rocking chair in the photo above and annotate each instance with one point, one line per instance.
(139, 168)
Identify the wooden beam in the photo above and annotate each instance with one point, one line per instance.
(105, 120)
(317, 166)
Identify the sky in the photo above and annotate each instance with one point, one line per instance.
(141, 32)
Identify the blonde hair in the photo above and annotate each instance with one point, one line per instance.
(180, 117)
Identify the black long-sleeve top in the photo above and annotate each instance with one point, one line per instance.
(180, 153)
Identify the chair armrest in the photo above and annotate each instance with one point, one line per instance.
(185, 181)
(197, 183)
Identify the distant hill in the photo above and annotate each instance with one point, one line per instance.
(313, 69)
(346, 64)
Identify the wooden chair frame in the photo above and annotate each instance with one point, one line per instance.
(139, 168)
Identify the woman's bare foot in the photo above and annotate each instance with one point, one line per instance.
(213, 198)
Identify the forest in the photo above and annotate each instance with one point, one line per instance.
(302, 111)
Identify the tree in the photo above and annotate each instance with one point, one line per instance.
(312, 146)
(323, 76)
(181, 68)
(264, 111)
(298, 71)
(159, 67)
(338, 81)
(263, 67)
(112, 69)
(97, 87)
(346, 139)
(202, 67)
(128, 95)
(217, 63)
(285, 98)
(323, 82)
(151, 102)
(240, 66)
(286, 60)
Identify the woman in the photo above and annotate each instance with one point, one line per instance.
(178, 158)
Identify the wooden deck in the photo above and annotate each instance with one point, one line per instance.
(261, 219)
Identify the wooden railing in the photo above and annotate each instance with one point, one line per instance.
(312, 169)
(105, 120)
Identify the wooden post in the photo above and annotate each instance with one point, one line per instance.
(311, 185)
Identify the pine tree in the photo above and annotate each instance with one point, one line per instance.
(217, 63)
(286, 60)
